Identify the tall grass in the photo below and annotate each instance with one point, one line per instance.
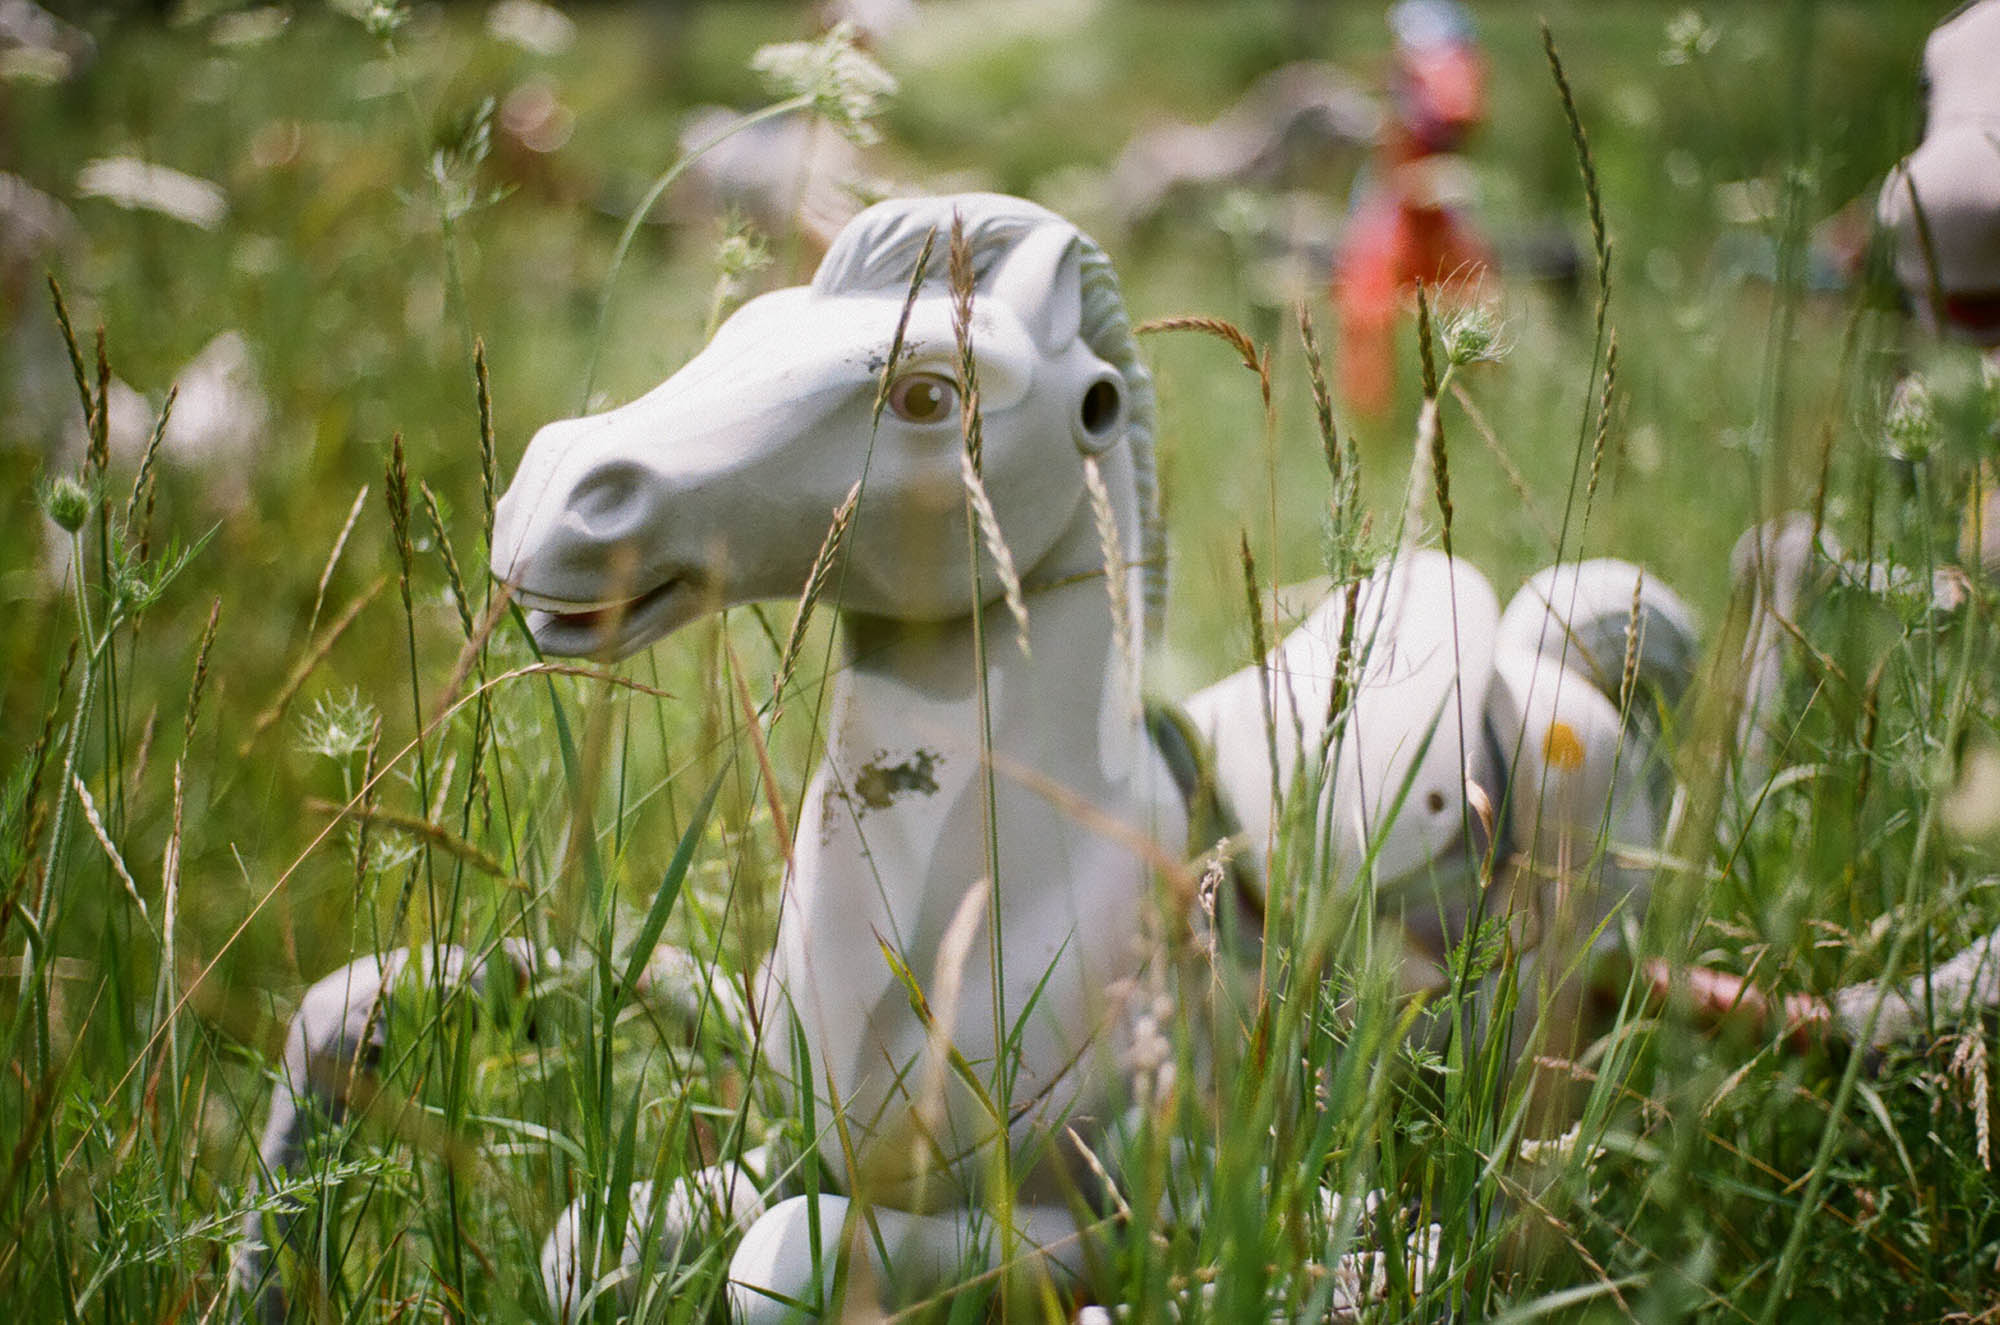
(237, 761)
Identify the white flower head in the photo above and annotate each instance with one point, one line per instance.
(1689, 37)
(1911, 421)
(1472, 332)
(846, 86)
(339, 726)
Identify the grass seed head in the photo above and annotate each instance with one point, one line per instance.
(996, 546)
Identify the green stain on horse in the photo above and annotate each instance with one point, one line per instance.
(879, 783)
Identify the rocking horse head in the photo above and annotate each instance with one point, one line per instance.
(717, 486)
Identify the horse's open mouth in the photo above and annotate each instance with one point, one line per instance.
(613, 626)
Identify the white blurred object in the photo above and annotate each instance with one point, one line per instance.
(219, 423)
(874, 20)
(1287, 118)
(721, 1196)
(792, 168)
(1957, 991)
(964, 31)
(221, 415)
(1955, 177)
(531, 26)
(535, 115)
(38, 47)
(34, 228)
(1783, 566)
(246, 28)
(142, 186)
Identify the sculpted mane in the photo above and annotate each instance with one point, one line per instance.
(878, 251)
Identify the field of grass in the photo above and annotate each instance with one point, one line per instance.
(234, 656)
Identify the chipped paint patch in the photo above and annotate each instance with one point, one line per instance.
(880, 783)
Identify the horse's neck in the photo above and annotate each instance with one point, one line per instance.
(914, 805)
(1063, 711)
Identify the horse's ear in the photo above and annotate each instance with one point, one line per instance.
(1042, 281)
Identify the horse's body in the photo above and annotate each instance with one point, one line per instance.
(716, 488)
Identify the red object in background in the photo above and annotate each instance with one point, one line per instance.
(1392, 242)
(1439, 95)
(1410, 223)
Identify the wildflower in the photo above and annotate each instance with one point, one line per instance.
(1471, 334)
(847, 88)
(1689, 37)
(741, 254)
(67, 502)
(1911, 421)
(339, 727)
(383, 17)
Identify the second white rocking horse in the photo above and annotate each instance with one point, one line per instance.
(716, 488)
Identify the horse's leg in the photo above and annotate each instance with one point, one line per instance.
(1776, 561)
(1959, 989)
(788, 1264)
(332, 1050)
(718, 1200)
(1780, 564)
(1589, 657)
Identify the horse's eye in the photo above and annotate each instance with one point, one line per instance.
(923, 398)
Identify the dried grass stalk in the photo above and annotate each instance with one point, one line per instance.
(903, 326)
(489, 463)
(459, 597)
(962, 282)
(1117, 576)
(1634, 629)
(1968, 1062)
(1225, 331)
(1600, 241)
(1253, 599)
(829, 551)
(1329, 435)
(142, 482)
(397, 493)
(69, 343)
(1603, 421)
(313, 658)
(91, 817)
(996, 546)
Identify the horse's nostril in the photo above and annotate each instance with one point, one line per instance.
(610, 498)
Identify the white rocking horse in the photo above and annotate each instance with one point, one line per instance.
(716, 488)
(992, 811)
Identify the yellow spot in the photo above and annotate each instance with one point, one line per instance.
(1561, 748)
